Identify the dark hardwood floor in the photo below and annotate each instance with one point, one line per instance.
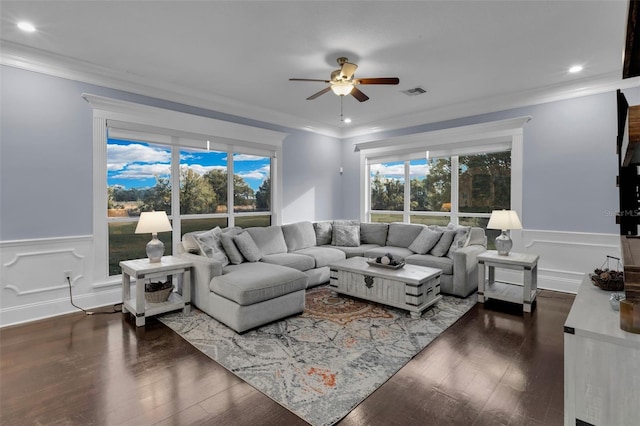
(494, 366)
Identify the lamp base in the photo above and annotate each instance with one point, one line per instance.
(155, 249)
(503, 244)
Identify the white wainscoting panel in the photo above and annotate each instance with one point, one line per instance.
(564, 256)
(33, 283)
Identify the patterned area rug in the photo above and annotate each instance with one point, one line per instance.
(323, 363)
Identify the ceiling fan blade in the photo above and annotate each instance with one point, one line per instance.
(357, 93)
(381, 80)
(309, 79)
(347, 70)
(322, 92)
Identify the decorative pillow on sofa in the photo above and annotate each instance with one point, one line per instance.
(461, 238)
(425, 241)
(323, 233)
(234, 255)
(247, 247)
(210, 245)
(346, 236)
(444, 243)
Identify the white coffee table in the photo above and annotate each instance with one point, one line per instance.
(413, 288)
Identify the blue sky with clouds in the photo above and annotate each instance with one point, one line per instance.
(135, 164)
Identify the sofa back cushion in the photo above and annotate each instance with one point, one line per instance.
(269, 239)
(403, 234)
(299, 235)
(374, 233)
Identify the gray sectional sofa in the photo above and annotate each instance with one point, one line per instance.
(247, 278)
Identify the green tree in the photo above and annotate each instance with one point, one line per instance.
(243, 194)
(217, 179)
(438, 185)
(158, 198)
(196, 195)
(263, 196)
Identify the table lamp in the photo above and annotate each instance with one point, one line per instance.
(153, 222)
(504, 220)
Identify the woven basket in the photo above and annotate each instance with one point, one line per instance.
(159, 296)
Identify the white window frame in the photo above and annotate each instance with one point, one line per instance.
(493, 136)
(178, 126)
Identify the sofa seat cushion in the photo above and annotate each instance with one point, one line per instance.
(354, 251)
(322, 256)
(443, 262)
(250, 283)
(398, 253)
(290, 260)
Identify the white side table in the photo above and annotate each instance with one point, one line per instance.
(489, 288)
(141, 270)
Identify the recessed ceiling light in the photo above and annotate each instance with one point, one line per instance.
(576, 68)
(347, 120)
(26, 26)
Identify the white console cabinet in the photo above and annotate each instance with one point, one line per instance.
(601, 363)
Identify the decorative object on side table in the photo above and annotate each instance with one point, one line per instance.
(615, 299)
(607, 278)
(153, 222)
(386, 261)
(504, 220)
(158, 292)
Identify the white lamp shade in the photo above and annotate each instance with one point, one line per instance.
(152, 223)
(504, 219)
(342, 89)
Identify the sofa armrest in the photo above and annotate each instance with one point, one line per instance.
(465, 269)
(204, 269)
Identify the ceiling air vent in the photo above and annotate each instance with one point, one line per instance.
(415, 91)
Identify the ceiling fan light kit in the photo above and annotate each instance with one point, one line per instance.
(342, 81)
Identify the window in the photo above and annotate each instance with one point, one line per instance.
(157, 159)
(138, 179)
(480, 183)
(454, 175)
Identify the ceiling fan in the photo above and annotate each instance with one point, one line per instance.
(343, 83)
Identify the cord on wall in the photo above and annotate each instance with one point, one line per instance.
(115, 311)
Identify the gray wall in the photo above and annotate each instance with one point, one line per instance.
(46, 178)
(46, 160)
(570, 163)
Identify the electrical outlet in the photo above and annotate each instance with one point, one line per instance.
(67, 275)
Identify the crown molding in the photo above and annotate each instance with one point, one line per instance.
(20, 56)
(584, 87)
(31, 59)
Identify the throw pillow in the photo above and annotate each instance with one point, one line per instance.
(442, 246)
(323, 233)
(460, 240)
(425, 241)
(247, 247)
(234, 255)
(210, 245)
(346, 236)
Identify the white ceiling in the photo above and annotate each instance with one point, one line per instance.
(237, 56)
